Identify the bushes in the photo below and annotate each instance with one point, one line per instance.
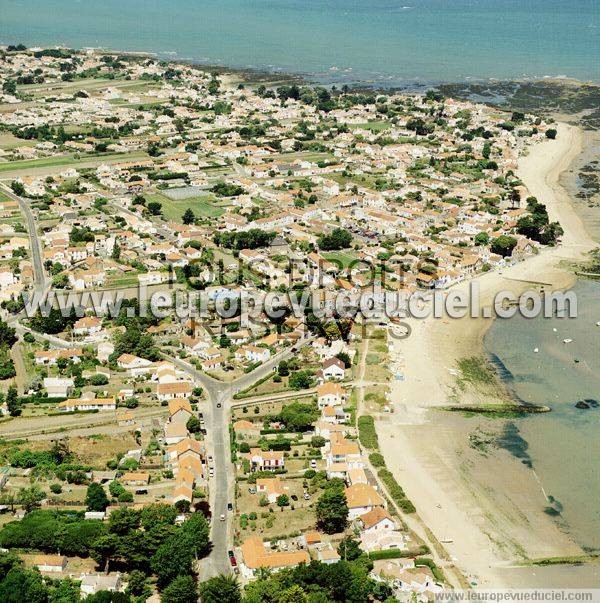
(366, 432)
(398, 553)
(396, 491)
(376, 459)
(430, 563)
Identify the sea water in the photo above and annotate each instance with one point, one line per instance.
(394, 42)
(562, 446)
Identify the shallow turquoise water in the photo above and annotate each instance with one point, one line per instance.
(563, 445)
(385, 41)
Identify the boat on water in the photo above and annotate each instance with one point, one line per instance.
(598, 324)
(536, 350)
(567, 340)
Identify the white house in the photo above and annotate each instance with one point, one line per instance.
(134, 364)
(333, 369)
(361, 499)
(58, 388)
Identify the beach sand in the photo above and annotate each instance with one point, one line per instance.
(488, 503)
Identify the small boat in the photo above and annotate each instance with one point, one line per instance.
(598, 324)
(536, 350)
(554, 330)
(567, 340)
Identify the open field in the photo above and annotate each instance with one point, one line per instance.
(203, 206)
(344, 257)
(11, 169)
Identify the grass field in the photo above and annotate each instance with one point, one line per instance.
(203, 206)
(373, 126)
(345, 257)
(68, 160)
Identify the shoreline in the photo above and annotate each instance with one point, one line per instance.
(490, 505)
(272, 75)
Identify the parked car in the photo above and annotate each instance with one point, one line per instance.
(222, 517)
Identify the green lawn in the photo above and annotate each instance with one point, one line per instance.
(203, 206)
(62, 160)
(373, 126)
(345, 257)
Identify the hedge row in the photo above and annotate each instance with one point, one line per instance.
(366, 432)
(396, 491)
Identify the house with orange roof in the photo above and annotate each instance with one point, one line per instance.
(271, 487)
(256, 556)
(376, 520)
(180, 411)
(170, 391)
(330, 394)
(262, 460)
(362, 498)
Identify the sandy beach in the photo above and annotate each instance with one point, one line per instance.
(485, 505)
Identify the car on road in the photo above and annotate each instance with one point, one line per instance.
(313, 464)
(232, 560)
(218, 405)
(222, 517)
(229, 506)
(210, 458)
(211, 472)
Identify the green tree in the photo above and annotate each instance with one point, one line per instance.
(181, 590)
(30, 498)
(303, 379)
(283, 500)
(96, 499)
(551, 133)
(173, 558)
(123, 520)
(7, 335)
(193, 424)
(116, 489)
(482, 238)
(21, 585)
(155, 208)
(158, 514)
(503, 245)
(188, 216)
(283, 369)
(137, 583)
(220, 589)
(332, 509)
(349, 549)
(12, 402)
(195, 532)
(339, 238)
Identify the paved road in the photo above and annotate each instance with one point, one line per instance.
(219, 396)
(40, 281)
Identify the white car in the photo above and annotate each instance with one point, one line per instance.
(313, 464)
(222, 517)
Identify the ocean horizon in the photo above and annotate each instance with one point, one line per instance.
(375, 42)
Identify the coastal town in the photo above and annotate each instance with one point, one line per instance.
(237, 458)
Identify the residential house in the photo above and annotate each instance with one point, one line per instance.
(58, 388)
(330, 394)
(255, 556)
(266, 460)
(361, 499)
(171, 391)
